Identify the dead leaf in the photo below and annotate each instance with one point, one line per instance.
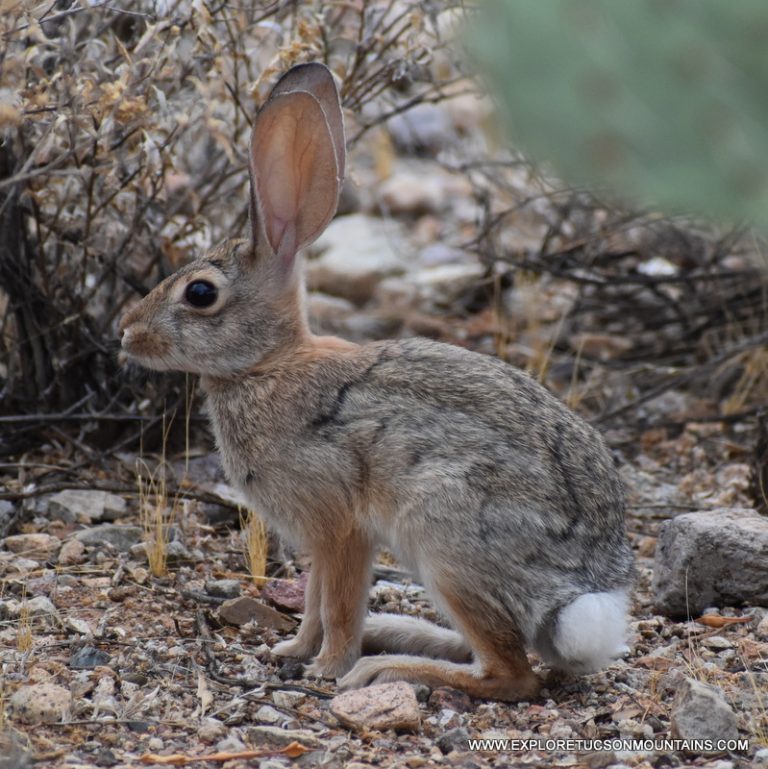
(715, 620)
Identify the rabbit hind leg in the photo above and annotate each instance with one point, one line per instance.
(501, 670)
(394, 633)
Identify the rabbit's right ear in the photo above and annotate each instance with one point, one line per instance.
(297, 158)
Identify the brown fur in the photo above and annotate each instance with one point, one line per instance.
(504, 504)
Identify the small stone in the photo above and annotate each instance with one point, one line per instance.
(155, 744)
(86, 506)
(425, 129)
(176, 553)
(762, 629)
(78, 626)
(239, 611)
(383, 706)
(41, 606)
(274, 735)
(455, 739)
(72, 552)
(760, 760)
(121, 537)
(412, 194)
(695, 557)
(88, 658)
(40, 703)
(285, 699)
(268, 715)
(717, 642)
(286, 594)
(39, 547)
(230, 744)
(290, 670)
(223, 588)
(211, 729)
(700, 711)
(452, 699)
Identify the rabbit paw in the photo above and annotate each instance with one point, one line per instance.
(296, 647)
(329, 667)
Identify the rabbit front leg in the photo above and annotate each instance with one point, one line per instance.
(345, 570)
(308, 640)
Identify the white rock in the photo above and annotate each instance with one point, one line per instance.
(383, 706)
(356, 252)
(87, 505)
(412, 194)
(40, 703)
(762, 628)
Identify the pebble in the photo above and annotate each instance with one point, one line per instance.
(412, 194)
(455, 739)
(223, 588)
(211, 729)
(383, 706)
(72, 552)
(762, 629)
(274, 735)
(425, 129)
(40, 703)
(286, 699)
(39, 547)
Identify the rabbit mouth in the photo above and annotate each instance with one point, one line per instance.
(141, 346)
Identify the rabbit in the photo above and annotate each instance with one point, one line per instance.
(503, 503)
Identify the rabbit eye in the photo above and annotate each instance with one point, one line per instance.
(201, 293)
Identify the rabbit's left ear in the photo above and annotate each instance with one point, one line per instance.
(296, 163)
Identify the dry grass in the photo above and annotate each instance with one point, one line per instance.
(24, 627)
(255, 543)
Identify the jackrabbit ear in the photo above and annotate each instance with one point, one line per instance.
(295, 163)
(316, 78)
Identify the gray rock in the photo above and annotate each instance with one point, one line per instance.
(383, 706)
(40, 703)
(211, 729)
(701, 712)
(713, 558)
(455, 739)
(122, 538)
(7, 511)
(356, 252)
(425, 129)
(86, 505)
(223, 588)
(41, 606)
(412, 194)
(274, 735)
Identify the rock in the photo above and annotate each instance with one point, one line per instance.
(287, 594)
(383, 706)
(274, 735)
(40, 703)
(455, 739)
(223, 588)
(761, 759)
(356, 252)
(425, 129)
(211, 729)
(86, 506)
(266, 714)
(72, 552)
(762, 629)
(443, 285)
(436, 254)
(287, 699)
(239, 611)
(7, 511)
(41, 606)
(452, 699)
(713, 558)
(290, 670)
(39, 547)
(121, 537)
(88, 658)
(412, 194)
(176, 553)
(701, 712)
